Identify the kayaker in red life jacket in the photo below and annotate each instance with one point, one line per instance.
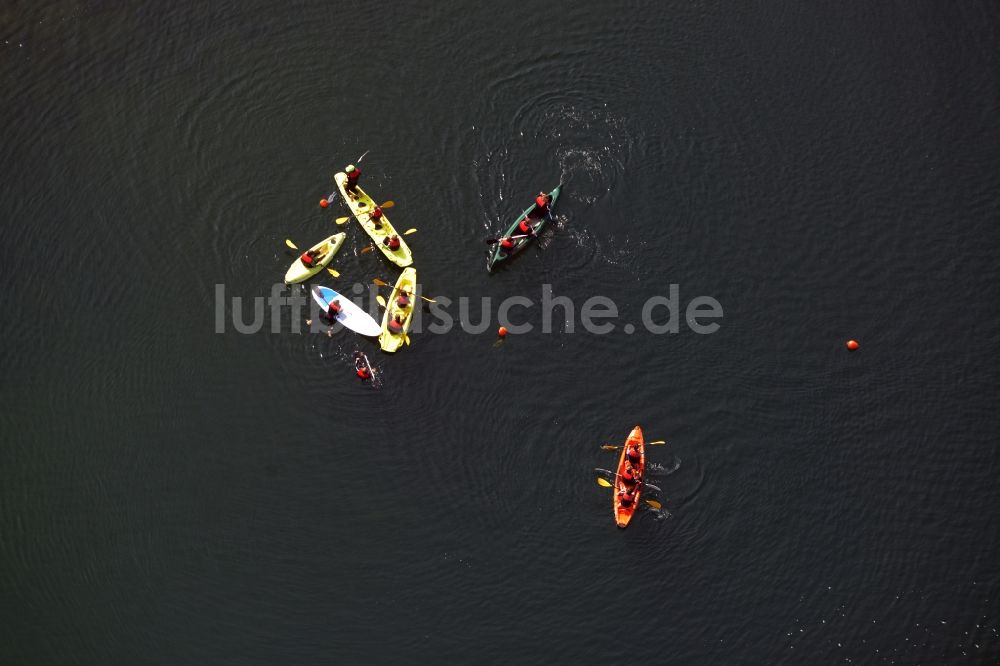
(391, 241)
(353, 174)
(542, 203)
(629, 476)
(525, 227)
(396, 325)
(403, 300)
(633, 454)
(626, 497)
(334, 309)
(308, 258)
(507, 246)
(360, 366)
(376, 217)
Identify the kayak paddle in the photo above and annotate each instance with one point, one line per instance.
(652, 503)
(368, 248)
(342, 220)
(615, 447)
(493, 241)
(601, 481)
(383, 283)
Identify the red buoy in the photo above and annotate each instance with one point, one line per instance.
(852, 345)
(323, 203)
(502, 332)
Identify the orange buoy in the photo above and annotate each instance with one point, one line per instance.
(502, 332)
(323, 203)
(852, 345)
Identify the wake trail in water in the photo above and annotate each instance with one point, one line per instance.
(661, 470)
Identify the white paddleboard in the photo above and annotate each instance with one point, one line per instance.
(351, 316)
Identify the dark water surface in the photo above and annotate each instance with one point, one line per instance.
(825, 171)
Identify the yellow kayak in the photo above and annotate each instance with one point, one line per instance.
(361, 206)
(327, 247)
(407, 285)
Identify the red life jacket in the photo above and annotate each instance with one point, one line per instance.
(363, 373)
(393, 243)
(626, 499)
(352, 177)
(377, 214)
(541, 201)
(334, 309)
(395, 326)
(633, 454)
(403, 300)
(306, 259)
(524, 227)
(506, 243)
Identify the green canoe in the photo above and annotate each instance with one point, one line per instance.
(498, 254)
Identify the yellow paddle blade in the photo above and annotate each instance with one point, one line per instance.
(654, 504)
(333, 272)
(388, 204)
(380, 300)
(406, 339)
(656, 443)
(381, 283)
(410, 231)
(341, 220)
(604, 482)
(290, 244)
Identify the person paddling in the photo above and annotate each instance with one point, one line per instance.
(308, 258)
(361, 366)
(629, 476)
(404, 299)
(542, 203)
(633, 455)
(334, 309)
(353, 174)
(525, 227)
(376, 217)
(392, 242)
(396, 325)
(506, 247)
(626, 496)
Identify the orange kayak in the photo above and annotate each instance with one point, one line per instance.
(623, 514)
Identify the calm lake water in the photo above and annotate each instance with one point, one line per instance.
(171, 494)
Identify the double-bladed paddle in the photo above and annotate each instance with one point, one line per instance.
(342, 220)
